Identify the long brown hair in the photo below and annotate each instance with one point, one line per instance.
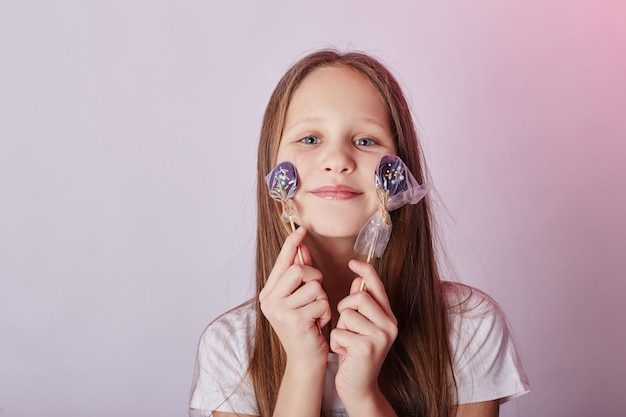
(416, 376)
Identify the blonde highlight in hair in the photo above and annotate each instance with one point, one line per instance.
(416, 376)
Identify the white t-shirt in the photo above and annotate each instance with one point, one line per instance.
(485, 362)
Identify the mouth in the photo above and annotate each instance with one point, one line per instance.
(336, 192)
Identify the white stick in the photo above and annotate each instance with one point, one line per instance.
(369, 254)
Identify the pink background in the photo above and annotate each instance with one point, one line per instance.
(128, 132)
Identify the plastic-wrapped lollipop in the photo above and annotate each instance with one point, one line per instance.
(395, 187)
(282, 183)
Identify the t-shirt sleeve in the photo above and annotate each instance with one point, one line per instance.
(485, 360)
(221, 382)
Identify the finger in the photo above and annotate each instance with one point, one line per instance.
(355, 322)
(340, 341)
(303, 255)
(344, 342)
(318, 313)
(374, 286)
(363, 305)
(356, 331)
(307, 293)
(286, 257)
(356, 286)
(292, 279)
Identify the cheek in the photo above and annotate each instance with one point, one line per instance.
(286, 152)
(372, 205)
(280, 156)
(303, 171)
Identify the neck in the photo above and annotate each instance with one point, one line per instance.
(331, 257)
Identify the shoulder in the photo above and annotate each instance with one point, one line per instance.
(223, 350)
(234, 326)
(485, 360)
(463, 297)
(475, 319)
(220, 377)
(466, 303)
(229, 337)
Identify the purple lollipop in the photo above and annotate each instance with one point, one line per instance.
(391, 175)
(282, 181)
(395, 187)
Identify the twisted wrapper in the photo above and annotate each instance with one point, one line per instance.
(395, 187)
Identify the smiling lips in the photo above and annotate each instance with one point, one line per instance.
(336, 192)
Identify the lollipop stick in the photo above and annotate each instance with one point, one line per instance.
(369, 254)
(371, 251)
(293, 229)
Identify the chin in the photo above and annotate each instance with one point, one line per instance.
(331, 223)
(335, 231)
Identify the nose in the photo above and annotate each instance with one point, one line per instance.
(338, 159)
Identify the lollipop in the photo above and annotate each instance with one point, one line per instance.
(282, 182)
(395, 187)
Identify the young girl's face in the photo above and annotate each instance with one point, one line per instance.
(336, 130)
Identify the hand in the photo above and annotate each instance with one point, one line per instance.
(295, 304)
(365, 331)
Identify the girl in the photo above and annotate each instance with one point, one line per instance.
(312, 342)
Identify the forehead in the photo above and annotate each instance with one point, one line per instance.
(337, 85)
(336, 77)
(337, 74)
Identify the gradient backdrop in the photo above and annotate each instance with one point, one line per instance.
(128, 132)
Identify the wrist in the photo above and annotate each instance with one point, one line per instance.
(306, 369)
(371, 403)
(301, 389)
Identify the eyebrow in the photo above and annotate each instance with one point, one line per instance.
(368, 120)
(375, 122)
(302, 120)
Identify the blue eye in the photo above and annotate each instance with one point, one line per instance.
(310, 140)
(364, 142)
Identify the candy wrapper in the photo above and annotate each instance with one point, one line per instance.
(395, 187)
(282, 183)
